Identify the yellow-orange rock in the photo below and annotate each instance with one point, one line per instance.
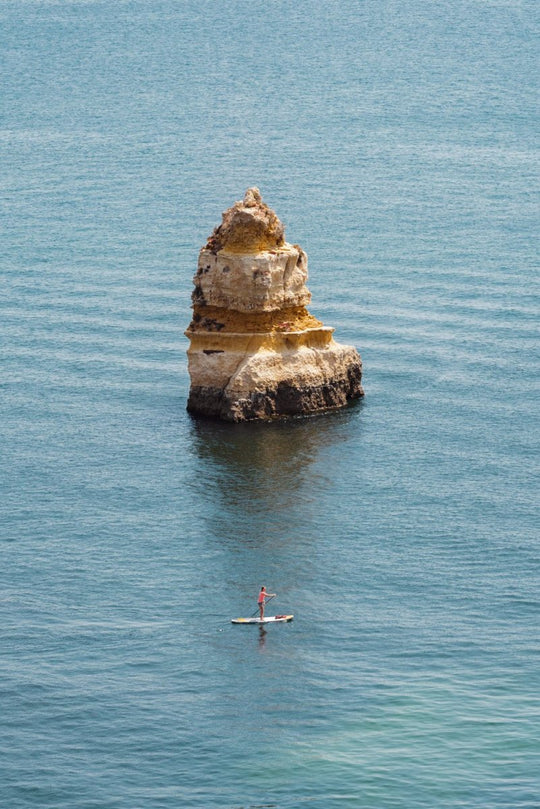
(255, 350)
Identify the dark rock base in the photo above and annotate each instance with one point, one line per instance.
(285, 400)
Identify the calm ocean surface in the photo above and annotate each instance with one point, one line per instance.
(397, 141)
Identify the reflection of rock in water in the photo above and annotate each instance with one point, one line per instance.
(255, 351)
(256, 466)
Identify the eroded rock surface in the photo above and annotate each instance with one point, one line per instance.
(255, 350)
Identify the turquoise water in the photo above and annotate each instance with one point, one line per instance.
(398, 144)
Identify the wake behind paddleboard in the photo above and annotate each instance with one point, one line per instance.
(271, 619)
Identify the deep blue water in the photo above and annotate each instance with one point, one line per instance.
(398, 142)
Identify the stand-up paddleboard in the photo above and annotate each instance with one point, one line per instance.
(272, 619)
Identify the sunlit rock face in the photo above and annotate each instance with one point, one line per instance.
(255, 350)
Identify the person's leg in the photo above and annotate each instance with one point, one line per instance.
(261, 610)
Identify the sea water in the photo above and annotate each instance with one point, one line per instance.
(397, 143)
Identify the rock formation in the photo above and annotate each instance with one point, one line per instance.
(255, 350)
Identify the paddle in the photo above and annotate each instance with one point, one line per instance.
(266, 602)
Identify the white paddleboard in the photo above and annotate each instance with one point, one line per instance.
(271, 619)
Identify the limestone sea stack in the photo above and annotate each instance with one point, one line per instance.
(255, 350)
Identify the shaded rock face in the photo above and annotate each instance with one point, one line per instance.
(255, 350)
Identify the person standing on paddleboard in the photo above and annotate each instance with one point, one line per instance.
(260, 601)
